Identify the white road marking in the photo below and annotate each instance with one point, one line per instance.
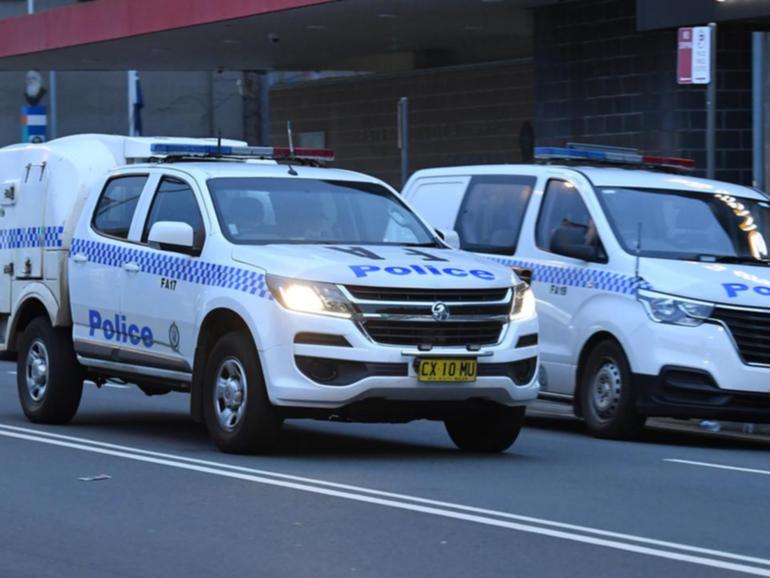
(11, 373)
(410, 503)
(718, 466)
(117, 386)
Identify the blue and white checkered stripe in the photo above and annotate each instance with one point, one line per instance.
(579, 277)
(174, 267)
(49, 237)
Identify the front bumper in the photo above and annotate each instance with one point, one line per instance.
(707, 349)
(687, 393)
(390, 373)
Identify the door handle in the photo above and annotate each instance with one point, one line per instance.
(79, 258)
(131, 267)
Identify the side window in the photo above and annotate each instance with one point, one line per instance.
(175, 201)
(492, 211)
(564, 219)
(117, 204)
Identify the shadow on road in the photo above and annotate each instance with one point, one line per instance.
(660, 434)
(300, 438)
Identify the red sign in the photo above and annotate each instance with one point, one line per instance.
(694, 55)
(684, 56)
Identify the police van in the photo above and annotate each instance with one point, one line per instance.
(652, 286)
(267, 290)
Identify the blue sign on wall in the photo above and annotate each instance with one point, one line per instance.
(34, 124)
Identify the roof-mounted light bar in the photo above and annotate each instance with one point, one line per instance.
(611, 155)
(241, 152)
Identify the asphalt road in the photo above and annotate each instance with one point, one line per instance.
(368, 500)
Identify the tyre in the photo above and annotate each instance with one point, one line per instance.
(607, 395)
(236, 410)
(491, 430)
(48, 376)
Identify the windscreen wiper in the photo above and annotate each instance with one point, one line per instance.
(740, 259)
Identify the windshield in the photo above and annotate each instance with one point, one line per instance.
(291, 210)
(675, 224)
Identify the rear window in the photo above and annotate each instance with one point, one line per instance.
(115, 210)
(490, 217)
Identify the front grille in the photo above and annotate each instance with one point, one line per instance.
(750, 330)
(440, 333)
(426, 295)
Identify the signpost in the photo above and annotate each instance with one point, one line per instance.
(696, 64)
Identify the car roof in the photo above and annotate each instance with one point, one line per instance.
(601, 176)
(269, 169)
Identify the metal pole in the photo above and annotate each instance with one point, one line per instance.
(130, 99)
(263, 107)
(52, 124)
(711, 106)
(30, 6)
(403, 137)
(757, 105)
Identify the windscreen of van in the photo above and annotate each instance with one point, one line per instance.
(675, 224)
(258, 211)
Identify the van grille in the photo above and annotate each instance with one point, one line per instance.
(750, 330)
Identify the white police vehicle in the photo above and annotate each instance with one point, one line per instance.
(653, 288)
(266, 290)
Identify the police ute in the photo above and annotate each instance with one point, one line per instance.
(653, 286)
(263, 284)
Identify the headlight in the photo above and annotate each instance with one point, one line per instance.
(523, 302)
(309, 297)
(664, 308)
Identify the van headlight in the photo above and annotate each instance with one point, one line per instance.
(309, 296)
(663, 308)
(523, 302)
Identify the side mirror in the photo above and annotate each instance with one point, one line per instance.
(174, 236)
(570, 241)
(450, 237)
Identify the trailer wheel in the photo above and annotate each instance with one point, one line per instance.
(607, 395)
(48, 376)
(236, 409)
(492, 430)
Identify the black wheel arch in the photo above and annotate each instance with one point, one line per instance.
(29, 310)
(588, 347)
(216, 324)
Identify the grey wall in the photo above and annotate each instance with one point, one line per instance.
(176, 104)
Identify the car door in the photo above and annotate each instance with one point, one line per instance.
(562, 283)
(162, 294)
(97, 258)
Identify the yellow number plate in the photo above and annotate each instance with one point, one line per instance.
(447, 370)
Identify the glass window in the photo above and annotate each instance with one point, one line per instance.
(175, 201)
(116, 206)
(673, 224)
(563, 210)
(279, 210)
(490, 217)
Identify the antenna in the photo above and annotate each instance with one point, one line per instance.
(291, 140)
(292, 172)
(219, 142)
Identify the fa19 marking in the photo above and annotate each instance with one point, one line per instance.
(169, 284)
(558, 289)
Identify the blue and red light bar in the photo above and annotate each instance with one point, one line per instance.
(609, 155)
(241, 152)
